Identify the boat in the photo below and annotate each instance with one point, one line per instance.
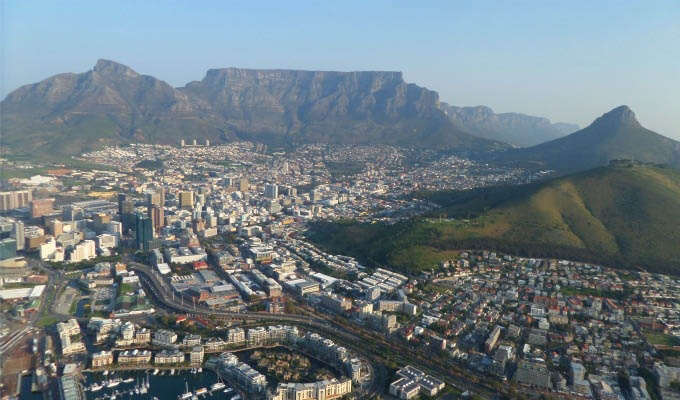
(187, 394)
(112, 383)
(128, 380)
(201, 391)
(106, 372)
(227, 390)
(172, 371)
(155, 372)
(200, 370)
(96, 387)
(217, 385)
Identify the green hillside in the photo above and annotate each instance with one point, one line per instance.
(624, 215)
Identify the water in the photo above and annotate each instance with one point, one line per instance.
(164, 387)
(26, 393)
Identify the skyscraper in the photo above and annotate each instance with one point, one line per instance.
(271, 191)
(243, 185)
(143, 231)
(155, 209)
(18, 234)
(126, 208)
(186, 200)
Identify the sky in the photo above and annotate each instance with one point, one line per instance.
(569, 61)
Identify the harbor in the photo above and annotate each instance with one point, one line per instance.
(152, 384)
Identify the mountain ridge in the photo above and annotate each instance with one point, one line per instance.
(112, 103)
(513, 128)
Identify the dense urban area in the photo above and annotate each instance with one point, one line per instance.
(139, 262)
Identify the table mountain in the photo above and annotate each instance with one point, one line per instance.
(615, 135)
(110, 104)
(513, 128)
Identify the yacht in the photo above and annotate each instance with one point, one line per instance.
(155, 372)
(217, 385)
(113, 383)
(187, 394)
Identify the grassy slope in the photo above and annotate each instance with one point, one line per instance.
(623, 215)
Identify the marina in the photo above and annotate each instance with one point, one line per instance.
(156, 384)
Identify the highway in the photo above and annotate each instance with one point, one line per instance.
(163, 295)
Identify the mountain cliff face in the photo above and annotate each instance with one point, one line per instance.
(615, 135)
(512, 128)
(70, 113)
(337, 107)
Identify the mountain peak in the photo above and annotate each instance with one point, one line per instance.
(621, 115)
(108, 67)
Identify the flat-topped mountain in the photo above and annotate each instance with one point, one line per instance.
(513, 128)
(69, 113)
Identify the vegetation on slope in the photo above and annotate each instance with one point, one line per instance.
(624, 215)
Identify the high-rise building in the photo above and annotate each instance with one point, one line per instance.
(143, 232)
(271, 191)
(155, 209)
(8, 248)
(40, 207)
(243, 185)
(73, 213)
(126, 209)
(115, 228)
(56, 227)
(186, 200)
(100, 220)
(15, 199)
(18, 234)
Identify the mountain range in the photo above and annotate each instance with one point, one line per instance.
(615, 135)
(72, 113)
(110, 104)
(625, 214)
(513, 128)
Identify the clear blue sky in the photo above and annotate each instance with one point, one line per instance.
(566, 60)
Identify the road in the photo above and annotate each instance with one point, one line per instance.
(163, 294)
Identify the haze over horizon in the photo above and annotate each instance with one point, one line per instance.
(567, 62)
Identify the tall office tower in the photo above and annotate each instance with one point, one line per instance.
(14, 199)
(126, 210)
(143, 231)
(121, 198)
(40, 207)
(155, 209)
(115, 228)
(18, 234)
(243, 185)
(56, 227)
(8, 248)
(186, 200)
(229, 181)
(73, 213)
(100, 220)
(271, 191)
